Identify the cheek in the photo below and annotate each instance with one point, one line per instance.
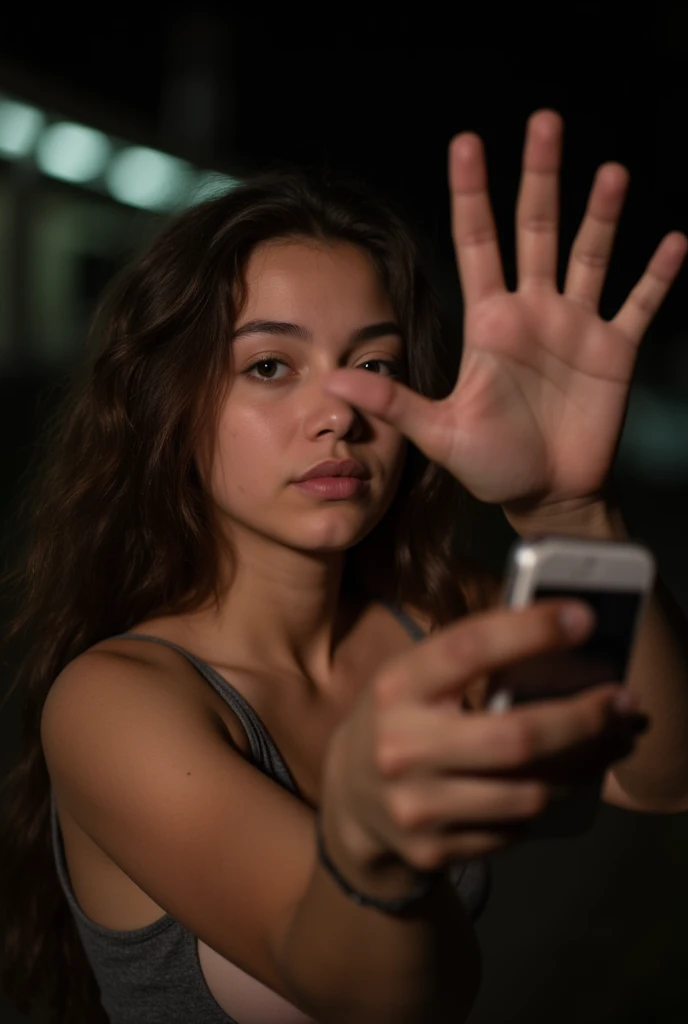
(249, 455)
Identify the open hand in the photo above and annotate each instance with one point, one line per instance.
(538, 407)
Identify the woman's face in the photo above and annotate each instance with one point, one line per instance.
(277, 422)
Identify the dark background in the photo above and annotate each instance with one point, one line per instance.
(591, 928)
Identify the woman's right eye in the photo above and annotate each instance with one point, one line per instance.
(263, 362)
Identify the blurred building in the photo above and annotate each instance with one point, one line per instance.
(82, 187)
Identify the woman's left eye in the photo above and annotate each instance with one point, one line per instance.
(393, 366)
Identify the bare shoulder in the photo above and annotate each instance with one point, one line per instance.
(145, 770)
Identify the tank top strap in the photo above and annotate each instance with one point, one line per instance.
(411, 627)
(264, 752)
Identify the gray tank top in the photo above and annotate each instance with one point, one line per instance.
(153, 973)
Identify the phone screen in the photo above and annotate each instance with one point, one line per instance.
(602, 658)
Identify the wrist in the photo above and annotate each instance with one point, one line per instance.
(364, 865)
(598, 520)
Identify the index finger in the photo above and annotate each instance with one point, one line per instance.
(445, 663)
(473, 227)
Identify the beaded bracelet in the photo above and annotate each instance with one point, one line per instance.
(396, 907)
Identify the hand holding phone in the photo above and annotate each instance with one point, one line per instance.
(615, 579)
(411, 778)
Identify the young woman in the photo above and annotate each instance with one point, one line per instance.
(240, 758)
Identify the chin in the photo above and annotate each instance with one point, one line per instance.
(333, 537)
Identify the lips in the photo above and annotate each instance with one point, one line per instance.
(333, 468)
(333, 488)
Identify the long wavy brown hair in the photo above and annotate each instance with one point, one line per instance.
(113, 523)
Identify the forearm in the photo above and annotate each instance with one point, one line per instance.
(349, 963)
(656, 773)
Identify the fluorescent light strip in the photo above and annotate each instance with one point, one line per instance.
(134, 175)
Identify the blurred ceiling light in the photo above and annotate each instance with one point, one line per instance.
(20, 126)
(72, 152)
(148, 179)
(134, 175)
(210, 185)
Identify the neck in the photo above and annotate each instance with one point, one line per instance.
(285, 612)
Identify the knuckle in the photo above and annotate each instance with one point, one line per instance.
(476, 236)
(536, 222)
(385, 688)
(386, 758)
(522, 742)
(590, 258)
(393, 755)
(534, 798)
(405, 809)
(425, 854)
(468, 645)
(499, 742)
(521, 799)
(645, 302)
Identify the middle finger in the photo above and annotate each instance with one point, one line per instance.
(537, 209)
(517, 740)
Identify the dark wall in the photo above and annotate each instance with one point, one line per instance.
(590, 929)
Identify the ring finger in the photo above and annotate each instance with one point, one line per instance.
(592, 245)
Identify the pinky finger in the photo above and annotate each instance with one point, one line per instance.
(644, 301)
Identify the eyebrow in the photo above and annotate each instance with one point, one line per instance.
(358, 336)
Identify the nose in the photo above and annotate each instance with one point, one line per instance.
(331, 414)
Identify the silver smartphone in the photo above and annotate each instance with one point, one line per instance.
(616, 579)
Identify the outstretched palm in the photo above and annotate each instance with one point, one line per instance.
(543, 385)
